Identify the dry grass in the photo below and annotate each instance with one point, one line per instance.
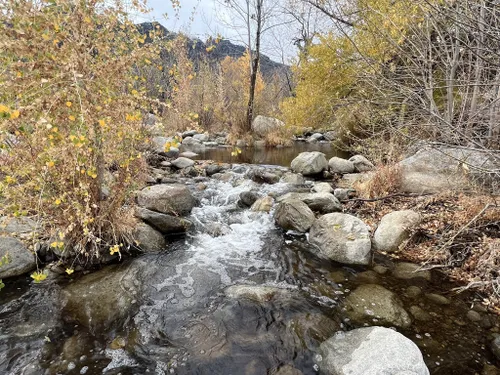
(385, 180)
(459, 234)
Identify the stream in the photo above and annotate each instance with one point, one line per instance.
(234, 296)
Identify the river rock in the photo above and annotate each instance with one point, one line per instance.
(371, 351)
(420, 314)
(170, 199)
(322, 187)
(339, 165)
(294, 215)
(220, 140)
(407, 271)
(148, 239)
(288, 370)
(262, 125)
(248, 198)
(372, 301)
(263, 204)
(314, 138)
(263, 176)
(436, 169)
(342, 238)
(189, 133)
(495, 347)
(438, 299)
(361, 164)
(17, 225)
(190, 141)
(182, 162)
(256, 293)
(309, 163)
(215, 168)
(293, 179)
(343, 195)
(260, 144)
(330, 136)
(394, 229)
(21, 260)
(166, 224)
(102, 299)
(320, 202)
(201, 137)
(188, 154)
(474, 316)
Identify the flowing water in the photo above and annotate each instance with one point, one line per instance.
(181, 311)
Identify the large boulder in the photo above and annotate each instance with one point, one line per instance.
(433, 170)
(394, 229)
(182, 162)
(324, 203)
(263, 204)
(148, 239)
(248, 198)
(17, 225)
(322, 187)
(201, 137)
(293, 179)
(166, 224)
(20, 259)
(361, 164)
(170, 199)
(309, 163)
(372, 301)
(371, 351)
(262, 125)
(293, 214)
(339, 165)
(342, 238)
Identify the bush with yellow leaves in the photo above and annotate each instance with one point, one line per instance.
(70, 119)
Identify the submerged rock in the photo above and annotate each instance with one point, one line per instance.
(171, 199)
(102, 299)
(20, 259)
(309, 163)
(166, 224)
(248, 198)
(394, 229)
(148, 239)
(258, 293)
(342, 238)
(371, 351)
(371, 301)
(407, 271)
(292, 214)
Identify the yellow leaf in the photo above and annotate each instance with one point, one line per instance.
(69, 271)
(72, 118)
(49, 164)
(4, 109)
(102, 122)
(14, 114)
(57, 202)
(69, 104)
(38, 276)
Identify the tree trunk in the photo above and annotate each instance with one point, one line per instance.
(255, 66)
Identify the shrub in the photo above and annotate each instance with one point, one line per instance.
(70, 119)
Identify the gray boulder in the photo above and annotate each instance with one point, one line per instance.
(495, 347)
(322, 187)
(20, 259)
(188, 154)
(262, 126)
(295, 215)
(361, 164)
(241, 143)
(372, 301)
(148, 239)
(257, 293)
(344, 195)
(293, 179)
(309, 163)
(166, 224)
(262, 176)
(407, 271)
(394, 229)
(342, 238)
(182, 162)
(314, 138)
(190, 141)
(330, 136)
(220, 140)
(189, 133)
(201, 137)
(371, 351)
(263, 204)
(171, 199)
(260, 144)
(22, 227)
(320, 202)
(212, 169)
(339, 165)
(159, 143)
(433, 170)
(248, 198)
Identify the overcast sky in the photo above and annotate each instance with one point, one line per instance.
(201, 19)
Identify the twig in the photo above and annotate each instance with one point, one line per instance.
(409, 195)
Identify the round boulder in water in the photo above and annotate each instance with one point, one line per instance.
(309, 163)
(293, 214)
(339, 165)
(171, 199)
(361, 164)
(342, 238)
(371, 351)
(21, 260)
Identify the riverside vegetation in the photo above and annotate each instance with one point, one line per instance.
(102, 124)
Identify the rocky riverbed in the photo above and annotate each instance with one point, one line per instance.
(249, 270)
